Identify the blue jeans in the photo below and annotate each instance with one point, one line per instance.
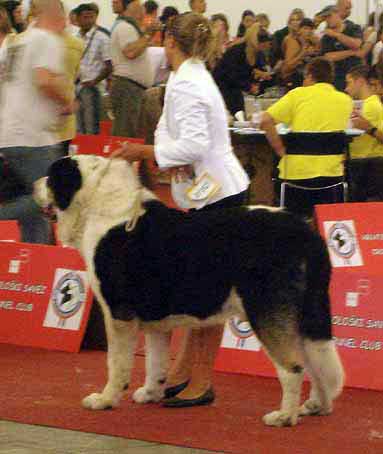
(29, 164)
(88, 115)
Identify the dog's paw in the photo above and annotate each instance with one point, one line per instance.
(280, 419)
(314, 408)
(144, 395)
(98, 402)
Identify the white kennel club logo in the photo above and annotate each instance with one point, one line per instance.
(343, 244)
(240, 328)
(239, 335)
(67, 300)
(68, 296)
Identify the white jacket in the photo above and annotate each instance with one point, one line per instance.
(193, 130)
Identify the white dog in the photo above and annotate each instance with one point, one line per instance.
(156, 268)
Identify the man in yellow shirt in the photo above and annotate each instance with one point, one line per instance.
(366, 151)
(315, 107)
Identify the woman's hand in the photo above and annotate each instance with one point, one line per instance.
(182, 174)
(331, 33)
(129, 151)
(254, 89)
(70, 108)
(310, 50)
(262, 75)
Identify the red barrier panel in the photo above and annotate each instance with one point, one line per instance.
(9, 231)
(100, 145)
(354, 236)
(45, 299)
(357, 317)
(106, 128)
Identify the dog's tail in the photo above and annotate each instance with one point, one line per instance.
(322, 359)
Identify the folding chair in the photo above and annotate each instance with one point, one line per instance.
(301, 198)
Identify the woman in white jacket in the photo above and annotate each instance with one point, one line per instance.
(192, 138)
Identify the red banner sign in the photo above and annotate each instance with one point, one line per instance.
(357, 318)
(354, 235)
(9, 231)
(44, 296)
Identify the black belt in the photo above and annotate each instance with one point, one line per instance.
(132, 81)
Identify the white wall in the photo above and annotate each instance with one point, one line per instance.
(277, 10)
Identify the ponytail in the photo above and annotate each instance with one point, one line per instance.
(203, 41)
(193, 35)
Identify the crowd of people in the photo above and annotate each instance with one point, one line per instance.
(55, 68)
(59, 66)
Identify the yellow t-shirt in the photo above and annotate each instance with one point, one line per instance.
(367, 146)
(73, 51)
(317, 108)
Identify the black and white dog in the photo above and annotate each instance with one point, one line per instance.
(156, 268)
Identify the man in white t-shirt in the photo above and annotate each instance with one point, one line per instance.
(132, 69)
(34, 98)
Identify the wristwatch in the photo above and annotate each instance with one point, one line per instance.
(372, 131)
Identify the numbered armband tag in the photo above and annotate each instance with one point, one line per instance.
(203, 188)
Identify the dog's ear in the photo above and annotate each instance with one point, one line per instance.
(64, 180)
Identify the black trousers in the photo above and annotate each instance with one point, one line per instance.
(228, 202)
(302, 202)
(366, 179)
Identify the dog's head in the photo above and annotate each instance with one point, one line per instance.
(69, 179)
(82, 186)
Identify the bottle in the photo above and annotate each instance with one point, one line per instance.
(257, 115)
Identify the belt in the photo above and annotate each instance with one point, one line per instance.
(132, 81)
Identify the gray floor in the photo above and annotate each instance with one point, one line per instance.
(24, 439)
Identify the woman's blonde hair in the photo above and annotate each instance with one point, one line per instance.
(193, 35)
(251, 40)
(263, 17)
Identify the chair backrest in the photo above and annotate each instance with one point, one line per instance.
(316, 143)
(302, 200)
(299, 198)
(100, 145)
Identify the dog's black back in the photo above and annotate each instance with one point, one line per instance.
(187, 264)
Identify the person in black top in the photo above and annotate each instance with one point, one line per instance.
(300, 47)
(167, 14)
(247, 20)
(234, 73)
(15, 13)
(263, 73)
(280, 35)
(340, 44)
